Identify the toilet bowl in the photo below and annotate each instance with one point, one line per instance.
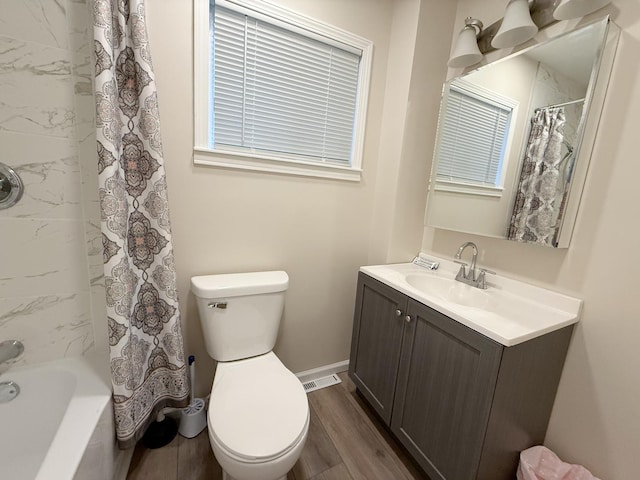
(258, 416)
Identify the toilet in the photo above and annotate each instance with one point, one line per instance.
(258, 415)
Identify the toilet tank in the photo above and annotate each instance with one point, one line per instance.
(240, 312)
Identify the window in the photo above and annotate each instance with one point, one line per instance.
(474, 137)
(278, 91)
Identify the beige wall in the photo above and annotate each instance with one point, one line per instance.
(596, 418)
(435, 23)
(319, 231)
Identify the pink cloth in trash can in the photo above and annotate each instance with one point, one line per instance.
(540, 463)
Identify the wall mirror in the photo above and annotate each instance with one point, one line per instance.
(515, 137)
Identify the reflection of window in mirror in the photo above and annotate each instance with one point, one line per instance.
(474, 140)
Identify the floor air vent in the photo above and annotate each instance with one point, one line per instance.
(319, 383)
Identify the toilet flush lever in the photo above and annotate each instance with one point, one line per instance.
(222, 305)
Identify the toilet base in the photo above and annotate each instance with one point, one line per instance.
(226, 476)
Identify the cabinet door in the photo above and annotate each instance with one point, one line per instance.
(375, 345)
(445, 387)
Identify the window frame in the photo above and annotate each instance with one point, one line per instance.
(259, 161)
(490, 97)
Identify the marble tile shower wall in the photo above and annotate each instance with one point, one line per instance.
(51, 279)
(552, 87)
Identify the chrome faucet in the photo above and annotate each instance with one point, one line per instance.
(469, 276)
(10, 349)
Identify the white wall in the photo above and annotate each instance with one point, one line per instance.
(595, 421)
(404, 231)
(51, 253)
(320, 231)
(234, 221)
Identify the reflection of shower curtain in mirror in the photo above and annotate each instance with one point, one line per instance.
(537, 206)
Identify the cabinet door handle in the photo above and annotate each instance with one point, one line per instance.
(398, 313)
(408, 318)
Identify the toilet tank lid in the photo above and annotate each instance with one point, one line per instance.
(237, 284)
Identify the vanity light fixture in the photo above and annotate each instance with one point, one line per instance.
(466, 51)
(541, 13)
(517, 26)
(569, 9)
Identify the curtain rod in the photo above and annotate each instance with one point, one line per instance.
(560, 104)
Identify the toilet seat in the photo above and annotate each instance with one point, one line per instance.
(258, 409)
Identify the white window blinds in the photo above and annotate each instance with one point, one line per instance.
(473, 139)
(279, 92)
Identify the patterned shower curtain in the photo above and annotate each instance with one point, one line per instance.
(535, 212)
(147, 360)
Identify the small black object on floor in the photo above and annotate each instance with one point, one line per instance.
(159, 434)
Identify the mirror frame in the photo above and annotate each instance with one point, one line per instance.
(585, 134)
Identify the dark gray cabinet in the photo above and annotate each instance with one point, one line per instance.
(381, 311)
(463, 405)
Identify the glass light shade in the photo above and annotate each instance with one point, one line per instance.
(569, 9)
(466, 51)
(517, 26)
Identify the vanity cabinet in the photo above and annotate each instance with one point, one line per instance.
(462, 404)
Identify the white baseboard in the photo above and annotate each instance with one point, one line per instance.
(323, 371)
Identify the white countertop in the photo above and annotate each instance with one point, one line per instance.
(514, 312)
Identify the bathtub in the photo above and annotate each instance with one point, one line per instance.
(48, 429)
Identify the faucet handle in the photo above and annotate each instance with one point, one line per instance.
(462, 273)
(482, 281)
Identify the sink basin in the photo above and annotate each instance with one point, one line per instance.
(430, 284)
(469, 296)
(509, 311)
(451, 290)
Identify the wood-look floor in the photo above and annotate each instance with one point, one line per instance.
(346, 441)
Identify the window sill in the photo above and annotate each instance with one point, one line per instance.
(468, 189)
(258, 163)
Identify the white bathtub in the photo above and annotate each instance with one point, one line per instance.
(46, 430)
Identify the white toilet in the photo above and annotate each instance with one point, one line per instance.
(258, 414)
